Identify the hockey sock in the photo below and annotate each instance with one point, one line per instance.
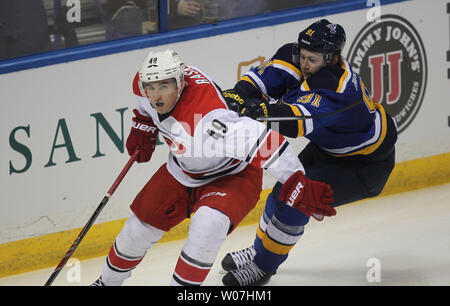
(128, 250)
(282, 232)
(207, 231)
(264, 220)
(190, 272)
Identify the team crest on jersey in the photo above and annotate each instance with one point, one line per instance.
(390, 57)
(175, 147)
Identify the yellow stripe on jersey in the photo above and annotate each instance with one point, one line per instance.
(343, 77)
(370, 149)
(289, 66)
(247, 79)
(271, 245)
(367, 98)
(297, 112)
(305, 86)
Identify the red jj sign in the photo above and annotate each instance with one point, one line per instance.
(390, 58)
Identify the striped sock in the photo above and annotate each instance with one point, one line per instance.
(279, 230)
(190, 272)
(121, 263)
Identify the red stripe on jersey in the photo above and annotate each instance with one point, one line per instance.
(136, 89)
(121, 262)
(190, 273)
(270, 146)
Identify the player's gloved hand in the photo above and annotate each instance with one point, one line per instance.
(234, 101)
(312, 198)
(143, 136)
(255, 108)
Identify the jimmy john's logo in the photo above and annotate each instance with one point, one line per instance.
(390, 57)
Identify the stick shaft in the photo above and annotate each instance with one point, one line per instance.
(92, 219)
(291, 118)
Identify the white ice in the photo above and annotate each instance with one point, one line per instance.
(402, 239)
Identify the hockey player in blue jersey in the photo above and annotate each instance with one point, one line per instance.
(351, 139)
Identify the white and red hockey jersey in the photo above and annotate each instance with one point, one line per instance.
(208, 141)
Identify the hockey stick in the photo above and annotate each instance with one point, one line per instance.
(290, 118)
(92, 218)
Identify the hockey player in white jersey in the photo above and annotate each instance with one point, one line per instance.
(214, 170)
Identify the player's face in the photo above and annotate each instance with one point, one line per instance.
(310, 62)
(163, 95)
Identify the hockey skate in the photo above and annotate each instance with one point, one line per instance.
(239, 259)
(250, 275)
(98, 283)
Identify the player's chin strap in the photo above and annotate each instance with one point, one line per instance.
(290, 118)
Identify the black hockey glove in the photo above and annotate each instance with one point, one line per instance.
(255, 108)
(234, 101)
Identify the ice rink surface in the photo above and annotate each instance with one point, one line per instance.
(402, 239)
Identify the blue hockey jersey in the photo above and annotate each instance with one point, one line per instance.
(359, 130)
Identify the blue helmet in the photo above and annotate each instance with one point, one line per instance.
(322, 36)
